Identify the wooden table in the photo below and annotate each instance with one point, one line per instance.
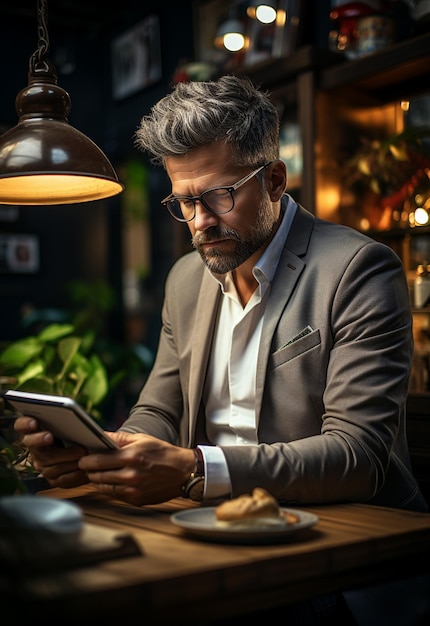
(168, 577)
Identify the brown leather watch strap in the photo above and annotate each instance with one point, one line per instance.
(194, 487)
(200, 464)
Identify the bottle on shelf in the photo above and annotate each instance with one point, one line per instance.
(422, 286)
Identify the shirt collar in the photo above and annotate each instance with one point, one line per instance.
(266, 265)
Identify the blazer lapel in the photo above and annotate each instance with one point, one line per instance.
(289, 269)
(206, 313)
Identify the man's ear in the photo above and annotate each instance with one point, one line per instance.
(276, 179)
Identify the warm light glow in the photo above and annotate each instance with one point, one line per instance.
(47, 189)
(421, 217)
(281, 18)
(328, 197)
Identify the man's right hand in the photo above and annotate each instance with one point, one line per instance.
(58, 465)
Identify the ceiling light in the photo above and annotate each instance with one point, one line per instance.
(230, 34)
(263, 10)
(44, 160)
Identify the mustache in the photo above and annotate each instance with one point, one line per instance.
(214, 233)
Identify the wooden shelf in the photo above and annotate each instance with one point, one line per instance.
(279, 71)
(400, 69)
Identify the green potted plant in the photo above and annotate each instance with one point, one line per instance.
(59, 362)
(74, 359)
(55, 361)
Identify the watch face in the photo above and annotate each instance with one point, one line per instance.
(196, 489)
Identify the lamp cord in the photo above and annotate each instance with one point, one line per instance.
(38, 58)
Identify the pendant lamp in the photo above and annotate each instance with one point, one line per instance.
(44, 160)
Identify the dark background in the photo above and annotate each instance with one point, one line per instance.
(83, 242)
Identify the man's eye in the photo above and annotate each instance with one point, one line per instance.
(219, 193)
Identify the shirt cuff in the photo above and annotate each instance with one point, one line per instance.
(217, 477)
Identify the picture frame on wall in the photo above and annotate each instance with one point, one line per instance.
(19, 254)
(136, 58)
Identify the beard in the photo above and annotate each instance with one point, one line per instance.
(220, 262)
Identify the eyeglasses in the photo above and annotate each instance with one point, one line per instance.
(218, 200)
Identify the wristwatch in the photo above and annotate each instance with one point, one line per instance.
(195, 485)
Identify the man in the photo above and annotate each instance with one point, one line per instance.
(285, 348)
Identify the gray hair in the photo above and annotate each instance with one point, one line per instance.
(197, 114)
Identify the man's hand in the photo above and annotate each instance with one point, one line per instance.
(145, 470)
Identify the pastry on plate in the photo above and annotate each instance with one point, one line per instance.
(256, 510)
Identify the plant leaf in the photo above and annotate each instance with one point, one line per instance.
(17, 354)
(96, 385)
(41, 384)
(53, 332)
(31, 371)
(68, 348)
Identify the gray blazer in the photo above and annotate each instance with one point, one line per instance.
(331, 405)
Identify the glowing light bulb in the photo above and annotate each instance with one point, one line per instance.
(265, 14)
(421, 216)
(234, 41)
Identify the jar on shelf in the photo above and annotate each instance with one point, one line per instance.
(375, 32)
(422, 286)
(344, 35)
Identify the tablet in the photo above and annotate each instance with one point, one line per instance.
(63, 416)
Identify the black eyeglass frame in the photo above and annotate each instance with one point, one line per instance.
(200, 198)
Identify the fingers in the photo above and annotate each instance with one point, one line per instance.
(112, 490)
(30, 433)
(25, 425)
(58, 465)
(122, 438)
(59, 477)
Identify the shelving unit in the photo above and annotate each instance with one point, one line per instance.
(324, 88)
(335, 102)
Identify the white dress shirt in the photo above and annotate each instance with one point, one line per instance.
(229, 392)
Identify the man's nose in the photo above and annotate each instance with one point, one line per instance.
(204, 218)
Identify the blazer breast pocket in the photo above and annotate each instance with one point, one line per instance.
(296, 348)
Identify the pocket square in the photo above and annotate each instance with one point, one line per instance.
(299, 335)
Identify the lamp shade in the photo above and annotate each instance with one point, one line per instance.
(44, 160)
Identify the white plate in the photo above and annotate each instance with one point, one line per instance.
(201, 523)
